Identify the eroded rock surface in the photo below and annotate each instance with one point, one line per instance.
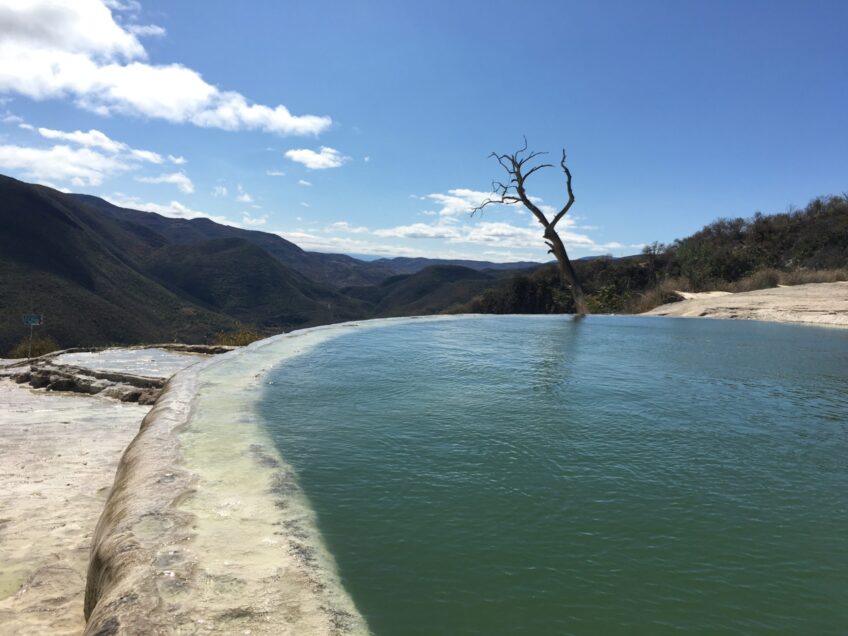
(816, 304)
(58, 455)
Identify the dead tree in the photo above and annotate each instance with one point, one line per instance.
(518, 167)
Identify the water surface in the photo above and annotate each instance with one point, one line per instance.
(537, 475)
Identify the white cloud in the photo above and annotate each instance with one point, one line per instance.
(133, 6)
(335, 244)
(275, 173)
(418, 231)
(502, 235)
(342, 244)
(98, 158)
(93, 138)
(79, 166)
(344, 226)
(243, 197)
(179, 179)
(51, 50)
(325, 158)
(250, 220)
(146, 155)
(219, 191)
(179, 161)
(96, 139)
(304, 182)
(366, 158)
(146, 30)
(304, 204)
(459, 201)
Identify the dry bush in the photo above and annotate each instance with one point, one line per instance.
(239, 338)
(802, 277)
(664, 293)
(40, 346)
(767, 278)
(762, 279)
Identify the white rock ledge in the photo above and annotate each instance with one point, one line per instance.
(206, 529)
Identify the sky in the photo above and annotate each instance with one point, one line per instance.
(366, 127)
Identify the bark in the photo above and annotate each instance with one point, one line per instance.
(566, 271)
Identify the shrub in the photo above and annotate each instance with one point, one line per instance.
(664, 293)
(40, 346)
(239, 338)
(802, 277)
(762, 279)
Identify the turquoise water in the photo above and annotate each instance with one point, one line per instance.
(615, 475)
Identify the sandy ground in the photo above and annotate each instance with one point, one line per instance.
(58, 455)
(816, 304)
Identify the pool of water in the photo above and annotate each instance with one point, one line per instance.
(540, 475)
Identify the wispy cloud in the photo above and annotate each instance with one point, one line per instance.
(458, 201)
(344, 226)
(179, 179)
(146, 30)
(97, 139)
(326, 157)
(252, 220)
(242, 196)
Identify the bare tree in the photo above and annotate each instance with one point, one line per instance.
(519, 167)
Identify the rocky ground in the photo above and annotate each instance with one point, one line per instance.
(58, 455)
(817, 304)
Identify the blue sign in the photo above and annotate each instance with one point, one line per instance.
(33, 320)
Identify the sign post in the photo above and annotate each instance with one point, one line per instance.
(33, 320)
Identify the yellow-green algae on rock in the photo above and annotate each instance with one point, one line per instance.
(206, 529)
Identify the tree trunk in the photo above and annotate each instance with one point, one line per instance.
(566, 271)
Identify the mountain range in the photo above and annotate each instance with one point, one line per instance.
(103, 274)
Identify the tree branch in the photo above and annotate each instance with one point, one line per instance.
(570, 201)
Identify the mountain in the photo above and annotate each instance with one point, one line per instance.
(243, 281)
(101, 278)
(84, 273)
(335, 270)
(104, 274)
(431, 290)
(407, 265)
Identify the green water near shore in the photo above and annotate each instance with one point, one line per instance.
(508, 475)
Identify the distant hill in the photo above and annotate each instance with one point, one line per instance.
(104, 274)
(409, 265)
(100, 277)
(243, 281)
(84, 272)
(335, 270)
(431, 290)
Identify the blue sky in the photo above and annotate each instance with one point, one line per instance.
(364, 127)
